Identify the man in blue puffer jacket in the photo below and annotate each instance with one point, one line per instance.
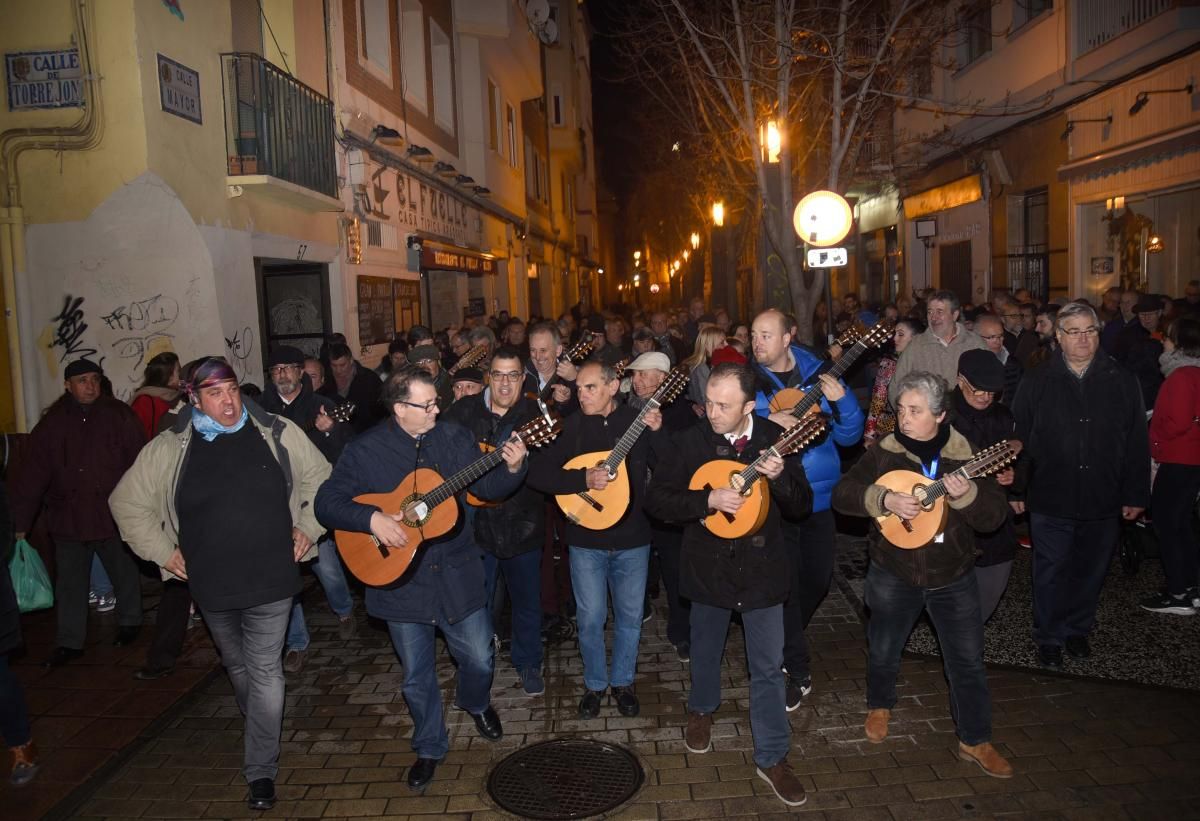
(811, 542)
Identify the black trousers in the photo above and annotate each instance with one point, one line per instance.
(171, 628)
(811, 545)
(668, 544)
(73, 562)
(1175, 490)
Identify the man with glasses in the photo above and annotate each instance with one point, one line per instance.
(291, 396)
(992, 333)
(427, 358)
(1083, 423)
(1017, 340)
(512, 532)
(936, 350)
(444, 588)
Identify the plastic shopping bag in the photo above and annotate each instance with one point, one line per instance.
(30, 579)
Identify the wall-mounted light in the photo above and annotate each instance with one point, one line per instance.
(695, 240)
(1143, 97)
(600, 271)
(1072, 123)
(1154, 245)
(353, 242)
(637, 256)
(637, 280)
(386, 136)
(482, 191)
(686, 254)
(419, 153)
(444, 169)
(464, 180)
(654, 289)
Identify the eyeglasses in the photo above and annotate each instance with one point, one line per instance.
(967, 387)
(279, 370)
(1076, 333)
(1008, 316)
(428, 407)
(991, 336)
(510, 376)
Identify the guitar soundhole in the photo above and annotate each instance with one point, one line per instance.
(922, 498)
(416, 511)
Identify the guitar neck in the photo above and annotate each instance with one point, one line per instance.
(816, 393)
(751, 472)
(937, 489)
(463, 478)
(630, 437)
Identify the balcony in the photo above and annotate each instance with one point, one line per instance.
(1099, 21)
(279, 135)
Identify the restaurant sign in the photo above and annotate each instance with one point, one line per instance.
(456, 259)
(411, 204)
(44, 79)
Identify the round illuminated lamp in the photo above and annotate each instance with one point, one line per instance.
(822, 219)
(654, 288)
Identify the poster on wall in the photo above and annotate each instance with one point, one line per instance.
(376, 311)
(407, 296)
(1102, 265)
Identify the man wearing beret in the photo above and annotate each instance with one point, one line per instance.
(78, 452)
(467, 382)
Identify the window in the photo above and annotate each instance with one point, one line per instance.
(375, 28)
(1026, 10)
(412, 54)
(922, 75)
(493, 116)
(977, 30)
(510, 128)
(1028, 241)
(556, 105)
(443, 77)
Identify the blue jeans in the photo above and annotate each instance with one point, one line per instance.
(764, 656)
(328, 570)
(1070, 560)
(595, 574)
(470, 643)
(895, 606)
(251, 644)
(523, 577)
(101, 584)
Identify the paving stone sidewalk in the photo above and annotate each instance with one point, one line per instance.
(1082, 749)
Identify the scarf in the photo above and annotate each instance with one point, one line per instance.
(210, 428)
(926, 450)
(1168, 361)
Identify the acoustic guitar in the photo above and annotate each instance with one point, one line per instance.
(468, 360)
(747, 481)
(798, 402)
(931, 521)
(427, 502)
(601, 509)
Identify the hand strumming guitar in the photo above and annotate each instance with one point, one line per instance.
(597, 478)
(387, 530)
(725, 500)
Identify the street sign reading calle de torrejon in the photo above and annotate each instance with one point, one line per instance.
(827, 257)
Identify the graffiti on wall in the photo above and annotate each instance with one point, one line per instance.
(69, 327)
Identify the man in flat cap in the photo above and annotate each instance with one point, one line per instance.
(467, 382)
(78, 452)
(428, 358)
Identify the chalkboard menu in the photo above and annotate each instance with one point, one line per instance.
(376, 311)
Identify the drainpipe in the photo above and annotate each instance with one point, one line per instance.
(81, 136)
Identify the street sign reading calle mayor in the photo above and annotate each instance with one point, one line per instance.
(44, 79)
(179, 89)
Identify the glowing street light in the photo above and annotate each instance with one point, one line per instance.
(676, 268)
(772, 141)
(637, 256)
(686, 254)
(718, 213)
(695, 240)
(637, 280)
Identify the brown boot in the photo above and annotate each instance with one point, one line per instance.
(784, 782)
(697, 737)
(877, 725)
(25, 764)
(985, 755)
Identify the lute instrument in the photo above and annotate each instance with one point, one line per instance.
(601, 509)
(798, 402)
(468, 360)
(747, 481)
(426, 501)
(931, 521)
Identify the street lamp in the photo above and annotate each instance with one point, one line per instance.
(771, 141)
(686, 254)
(637, 256)
(637, 280)
(718, 214)
(696, 240)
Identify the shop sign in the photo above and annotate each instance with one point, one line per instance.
(456, 259)
(944, 197)
(179, 90)
(408, 203)
(44, 79)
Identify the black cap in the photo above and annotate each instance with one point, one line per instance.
(81, 366)
(285, 355)
(1147, 303)
(982, 369)
(595, 323)
(423, 352)
(469, 375)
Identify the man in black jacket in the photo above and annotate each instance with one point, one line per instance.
(721, 576)
(290, 395)
(351, 382)
(1083, 423)
(511, 530)
(603, 562)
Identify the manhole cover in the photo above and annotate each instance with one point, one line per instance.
(565, 778)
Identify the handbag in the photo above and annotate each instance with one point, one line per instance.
(30, 580)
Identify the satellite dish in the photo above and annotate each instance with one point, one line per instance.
(548, 33)
(538, 12)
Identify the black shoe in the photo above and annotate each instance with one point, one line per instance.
(1050, 655)
(684, 651)
(128, 635)
(626, 700)
(1078, 647)
(262, 794)
(488, 724)
(149, 673)
(797, 690)
(421, 773)
(589, 705)
(61, 656)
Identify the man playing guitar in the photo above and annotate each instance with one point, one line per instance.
(612, 561)
(545, 347)
(511, 534)
(811, 542)
(444, 588)
(721, 576)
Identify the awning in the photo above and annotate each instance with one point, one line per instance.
(437, 257)
(1163, 144)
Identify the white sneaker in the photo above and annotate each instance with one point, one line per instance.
(105, 603)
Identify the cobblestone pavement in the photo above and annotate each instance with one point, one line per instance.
(1082, 749)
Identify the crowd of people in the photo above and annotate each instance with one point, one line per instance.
(229, 496)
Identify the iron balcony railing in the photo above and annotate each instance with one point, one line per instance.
(276, 125)
(1099, 21)
(1029, 267)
